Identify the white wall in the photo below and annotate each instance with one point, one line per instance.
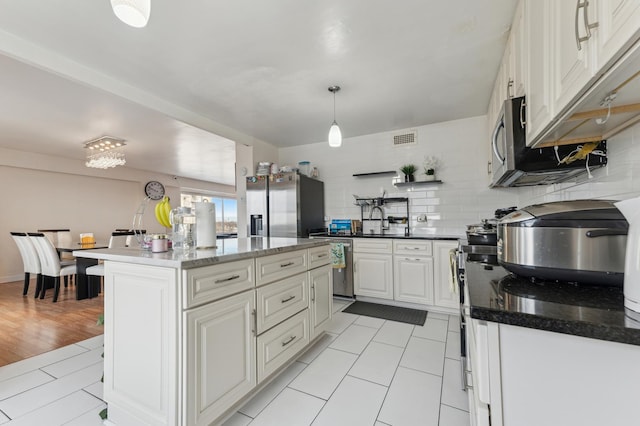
(51, 192)
(463, 198)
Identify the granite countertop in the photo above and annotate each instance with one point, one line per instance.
(392, 236)
(227, 250)
(591, 311)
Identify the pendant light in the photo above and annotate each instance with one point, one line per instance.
(335, 135)
(132, 12)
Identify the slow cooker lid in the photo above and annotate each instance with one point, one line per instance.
(574, 214)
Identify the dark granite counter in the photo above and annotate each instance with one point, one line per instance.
(591, 311)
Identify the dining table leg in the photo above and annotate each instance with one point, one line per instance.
(84, 287)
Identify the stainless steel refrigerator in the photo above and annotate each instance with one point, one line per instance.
(284, 205)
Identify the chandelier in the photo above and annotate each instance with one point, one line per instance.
(105, 152)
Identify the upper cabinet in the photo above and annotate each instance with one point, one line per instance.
(567, 57)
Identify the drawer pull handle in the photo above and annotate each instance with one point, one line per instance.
(284, 265)
(231, 278)
(323, 255)
(287, 299)
(254, 328)
(289, 340)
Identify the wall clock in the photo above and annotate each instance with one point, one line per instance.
(154, 190)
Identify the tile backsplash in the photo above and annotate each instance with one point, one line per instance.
(464, 196)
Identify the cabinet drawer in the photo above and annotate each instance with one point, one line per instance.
(373, 245)
(217, 281)
(413, 247)
(319, 256)
(277, 302)
(278, 345)
(277, 266)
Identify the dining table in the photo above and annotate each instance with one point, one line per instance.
(84, 290)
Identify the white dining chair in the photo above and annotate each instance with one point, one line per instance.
(50, 263)
(117, 240)
(30, 260)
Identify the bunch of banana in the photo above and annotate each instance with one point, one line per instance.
(163, 208)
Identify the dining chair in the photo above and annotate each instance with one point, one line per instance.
(50, 263)
(30, 260)
(118, 240)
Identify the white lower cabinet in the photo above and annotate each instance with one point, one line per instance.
(279, 344)
(373, 275)
(413, 279)
(321, 299)
(446, 293)
(220, 356)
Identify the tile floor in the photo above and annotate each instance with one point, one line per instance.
(364, 371)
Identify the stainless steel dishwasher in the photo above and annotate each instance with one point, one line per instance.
(342, 277)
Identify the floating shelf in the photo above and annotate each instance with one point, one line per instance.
(419, 183)
(374, 174)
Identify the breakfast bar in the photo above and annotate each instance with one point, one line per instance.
(191, 335)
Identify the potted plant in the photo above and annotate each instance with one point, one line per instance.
(430, 164)
(408, 170)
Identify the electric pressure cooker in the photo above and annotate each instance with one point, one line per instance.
(580, 241)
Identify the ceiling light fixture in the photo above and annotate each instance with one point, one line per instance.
(335, 135)
(132, 12)
(105, 152)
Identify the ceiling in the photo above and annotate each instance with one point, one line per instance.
(205, 74)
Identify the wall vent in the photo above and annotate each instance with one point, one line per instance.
(404, 139)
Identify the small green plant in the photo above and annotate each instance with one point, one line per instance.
(408, 169)
(430, 165)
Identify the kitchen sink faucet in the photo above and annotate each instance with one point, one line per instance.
(376, 207)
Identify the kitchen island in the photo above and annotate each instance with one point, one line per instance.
(548, 352)
(189, 336)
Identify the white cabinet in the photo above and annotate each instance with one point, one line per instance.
(220, 356)
(280, 300)
(537, 19)
(618, 28)
(321, 299)
(413, 271)
(446, 293)
(574, 50)
(373, 267)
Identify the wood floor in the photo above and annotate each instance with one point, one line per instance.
(31, 326)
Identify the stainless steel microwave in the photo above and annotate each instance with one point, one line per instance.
(514, 164)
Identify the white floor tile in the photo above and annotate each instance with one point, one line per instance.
(75, 363)
(433, 329)
(59, 411)
(355, 402)
(30, 400)
(256, 404)
(3, 419)
(453, 345)
(394, 333)
(317, 348)
(38, 361)
(339, 304)
(22, 383)
(93, 342)
(454, 323)
(238, 419)
(413, 399)
(381, 424)
(90, 418)
(424, 355)
(96, 389)
(370, 322)
(340, 322)
(437, 315)
(354, 339)
(377, 363)
(291, 408)
(450, 416)
(452, 393)
(325, 373)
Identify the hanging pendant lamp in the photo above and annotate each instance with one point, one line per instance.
(335, 135)
(132, 12)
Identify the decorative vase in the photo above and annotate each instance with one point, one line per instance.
(429, 177)
(409, 178)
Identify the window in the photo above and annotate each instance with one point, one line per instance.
(226, 211)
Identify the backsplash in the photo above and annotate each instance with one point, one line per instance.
(463, 198)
